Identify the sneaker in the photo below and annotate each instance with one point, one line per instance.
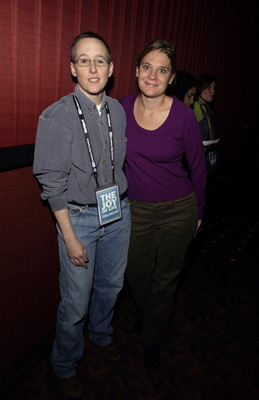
(151, 359)
(110, 352)
(71, 387)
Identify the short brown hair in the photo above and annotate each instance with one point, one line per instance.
(85, 35)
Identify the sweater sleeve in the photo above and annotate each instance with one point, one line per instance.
(195, 156)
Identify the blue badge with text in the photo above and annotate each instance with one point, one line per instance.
(108, 202)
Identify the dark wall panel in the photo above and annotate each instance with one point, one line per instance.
(29, 266)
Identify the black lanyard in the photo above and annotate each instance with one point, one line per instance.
(87, 138)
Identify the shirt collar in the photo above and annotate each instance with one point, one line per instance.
(86, 101)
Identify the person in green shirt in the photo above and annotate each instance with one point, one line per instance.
(204, 114)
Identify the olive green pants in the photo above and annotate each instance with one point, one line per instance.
(160, 236)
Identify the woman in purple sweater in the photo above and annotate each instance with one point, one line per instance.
(166, 205)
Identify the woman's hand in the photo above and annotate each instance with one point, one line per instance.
(198, 225)
(76, 251)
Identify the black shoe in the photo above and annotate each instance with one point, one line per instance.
(71, 387)
(110, 352)
(151, 359)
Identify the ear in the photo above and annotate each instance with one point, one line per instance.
(137, 71)
(110, 69)
(172, 78)
(72, 69)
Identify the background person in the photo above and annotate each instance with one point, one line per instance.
(204, 114)
(186, 87)
(92, 257)
(166, 207)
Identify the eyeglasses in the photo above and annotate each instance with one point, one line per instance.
(98, 62)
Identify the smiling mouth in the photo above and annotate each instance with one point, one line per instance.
(151, 84)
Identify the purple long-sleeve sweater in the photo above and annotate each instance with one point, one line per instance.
(154, 167)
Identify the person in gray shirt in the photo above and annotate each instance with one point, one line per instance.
(79, 156)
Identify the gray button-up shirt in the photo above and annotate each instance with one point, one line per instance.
(61, 160)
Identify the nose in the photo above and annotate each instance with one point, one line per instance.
(92, 67)
(152, 74)
(191, 101)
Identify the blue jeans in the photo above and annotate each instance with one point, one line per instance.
(93, 290)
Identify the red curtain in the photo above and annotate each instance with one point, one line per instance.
(36, 36)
